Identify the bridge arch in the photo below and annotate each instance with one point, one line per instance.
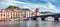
(59, 18)
(49, 18)
(39, 18)
(46, 17)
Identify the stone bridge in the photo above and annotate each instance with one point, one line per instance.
(55, 16)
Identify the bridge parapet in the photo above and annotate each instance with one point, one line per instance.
(55, 16)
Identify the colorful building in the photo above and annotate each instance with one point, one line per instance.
(14, 14)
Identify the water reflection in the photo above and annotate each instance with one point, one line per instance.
(31, 23)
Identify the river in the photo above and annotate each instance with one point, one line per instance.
(31, 23)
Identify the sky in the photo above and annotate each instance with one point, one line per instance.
(43, 5)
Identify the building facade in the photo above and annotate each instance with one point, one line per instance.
(14, 14)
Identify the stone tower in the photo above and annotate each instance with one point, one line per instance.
(37, 12)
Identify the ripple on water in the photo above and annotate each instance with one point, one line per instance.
(31, 23)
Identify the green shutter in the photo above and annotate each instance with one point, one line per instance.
(15, 17)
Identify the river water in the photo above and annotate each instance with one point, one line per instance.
(31, 23)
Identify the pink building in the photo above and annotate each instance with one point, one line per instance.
(15, 14)
(8, 14)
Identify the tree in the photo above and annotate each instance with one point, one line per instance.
(26, 9)
(13, 7)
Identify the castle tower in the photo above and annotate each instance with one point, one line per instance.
(37, 12)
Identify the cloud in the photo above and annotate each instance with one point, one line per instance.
(17, 2)
(6, 2)
(42, 7)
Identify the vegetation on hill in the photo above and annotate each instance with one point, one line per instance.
(15, 7)
(26, 9)
(12, 8)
